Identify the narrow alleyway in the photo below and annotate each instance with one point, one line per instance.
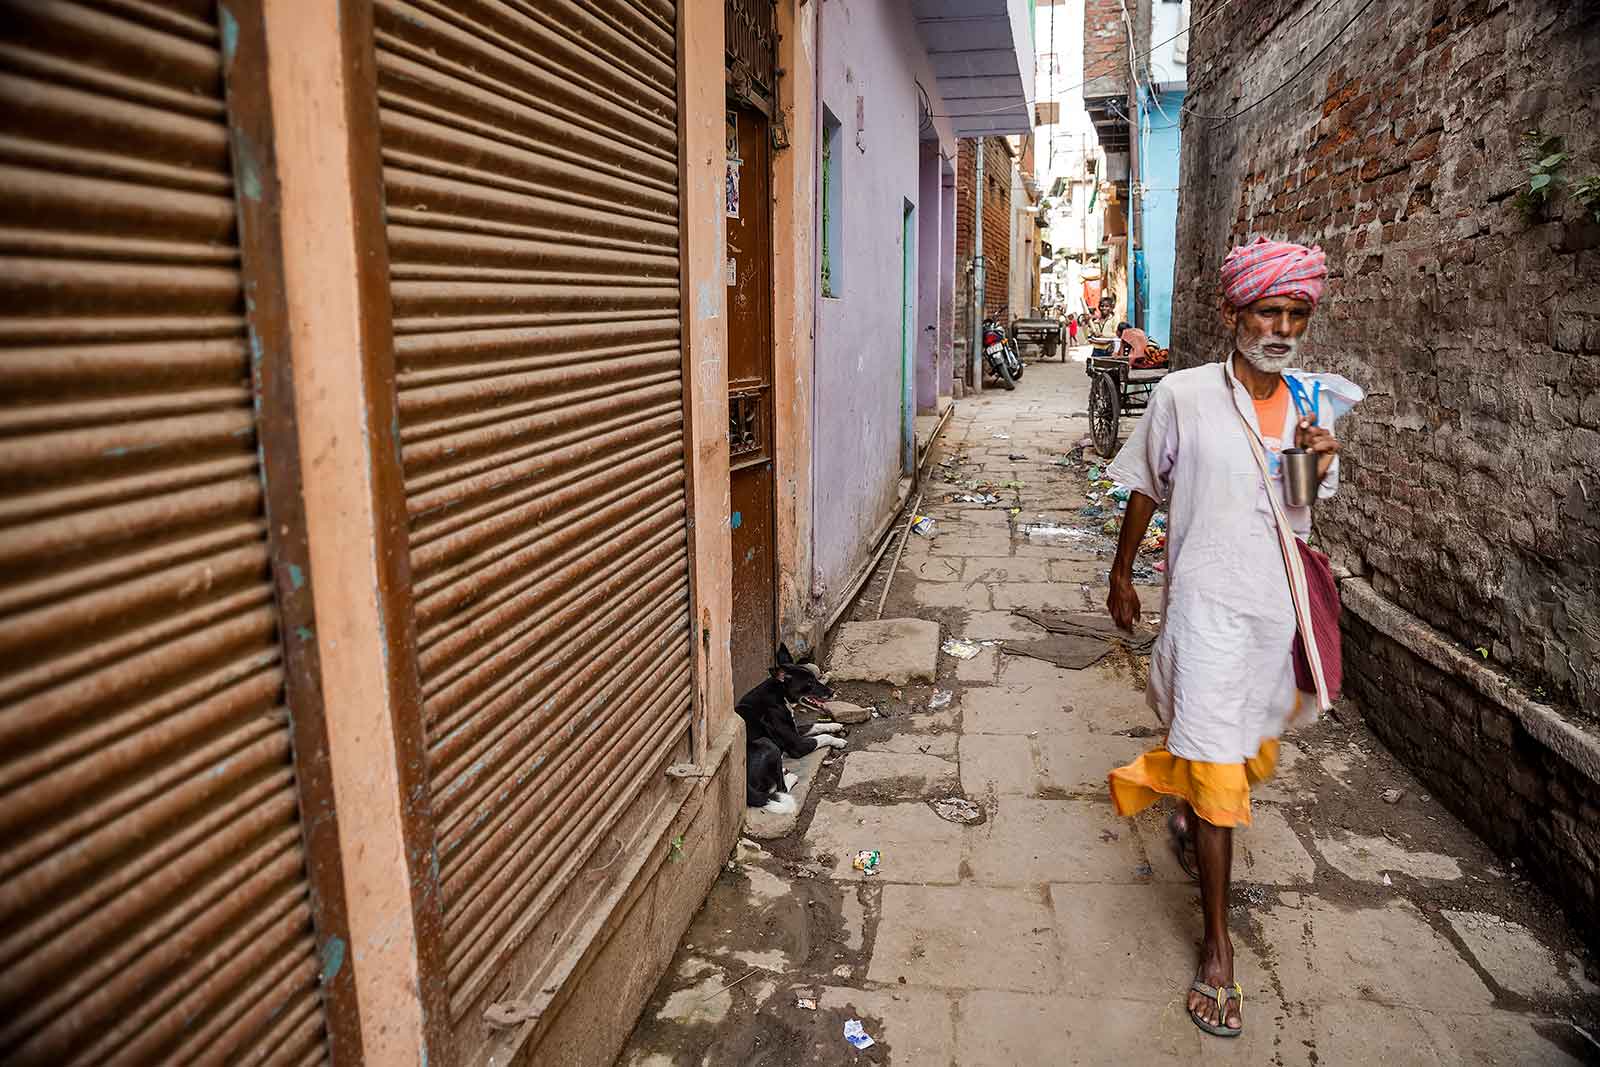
(1369, 924)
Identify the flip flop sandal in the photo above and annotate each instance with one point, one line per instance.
(1183, 846)
(1220, 994)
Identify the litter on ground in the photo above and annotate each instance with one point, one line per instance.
(957, 810)
(867, 861)
(961, 649)
(1051, 533)
(856, 1034)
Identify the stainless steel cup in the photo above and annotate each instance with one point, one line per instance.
(1299, 477)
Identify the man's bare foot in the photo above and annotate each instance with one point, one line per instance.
(1216, 969)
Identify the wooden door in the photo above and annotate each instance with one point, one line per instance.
(749, 220)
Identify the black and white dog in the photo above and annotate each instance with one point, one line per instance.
(771, 733)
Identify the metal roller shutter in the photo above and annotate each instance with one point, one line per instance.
(531, 170)
(153, 897)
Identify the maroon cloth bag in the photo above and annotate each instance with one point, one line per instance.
(1324, 605)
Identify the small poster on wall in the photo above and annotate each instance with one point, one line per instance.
(734, 163)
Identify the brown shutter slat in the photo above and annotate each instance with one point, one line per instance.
(531, 180)
(154, 906)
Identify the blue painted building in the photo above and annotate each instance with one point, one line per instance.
(1159, 115)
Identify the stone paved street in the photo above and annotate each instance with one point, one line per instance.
(1053, 931)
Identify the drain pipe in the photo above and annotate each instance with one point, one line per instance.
(977, 273)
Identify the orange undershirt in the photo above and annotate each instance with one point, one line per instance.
(1270, 414)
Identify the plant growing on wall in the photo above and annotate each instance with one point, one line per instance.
(1542, 152)
(1588, 194)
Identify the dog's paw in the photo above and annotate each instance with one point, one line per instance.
(818, 729)
(789, 779)
(782, 804)
(830, 741)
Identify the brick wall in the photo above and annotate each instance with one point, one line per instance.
(1477, 758)
(1105, 49)
(996, 228)
(1471, 484)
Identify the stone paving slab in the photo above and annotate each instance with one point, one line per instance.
(980, 669)
(910, 775)
(1025, 670)
(951, 595)
(1140, 941)
(936, 569)
(909, 1025)
(1078, 762)
(997, 766)
(1079, 551)
(1328, 953)
(1367, 858)
(1076, 572)
(964, 937)
(1497, 1038)
(1016, 709)
(1000, 625)
(1018, 1030)
(1006, 569)
(916, 845)
(1029, 842)
(1514, 958)
(917, 744)
(897, 651)
(1268, 851)
(973, 543)
(1104, 700)
(975, 519)
(1032, 595)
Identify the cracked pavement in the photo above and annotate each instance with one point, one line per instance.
(1052, 931)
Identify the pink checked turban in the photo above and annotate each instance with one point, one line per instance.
(1266, 268)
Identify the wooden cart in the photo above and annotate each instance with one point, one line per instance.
(1115, 388)
(1047, 335)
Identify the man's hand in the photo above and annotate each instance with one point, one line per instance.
(1314, 438)
(1123, 601)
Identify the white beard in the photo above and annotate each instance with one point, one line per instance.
(1256, 356)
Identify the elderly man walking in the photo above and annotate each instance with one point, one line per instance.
(1221, 675)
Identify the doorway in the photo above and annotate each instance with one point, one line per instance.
(749, 232)
(908, 338)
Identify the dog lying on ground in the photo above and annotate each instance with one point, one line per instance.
(771, 733)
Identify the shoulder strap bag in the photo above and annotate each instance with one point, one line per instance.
(1318, 668)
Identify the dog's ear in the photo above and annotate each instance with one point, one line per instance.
(784, 659)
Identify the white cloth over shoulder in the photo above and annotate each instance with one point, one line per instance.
(1221, 673)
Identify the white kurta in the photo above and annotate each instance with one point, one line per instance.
(1221, 676)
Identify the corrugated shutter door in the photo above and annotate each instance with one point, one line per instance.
(153, 896)
(531, 164)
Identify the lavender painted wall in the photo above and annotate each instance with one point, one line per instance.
(947, 277)
(928, 244)
(868, 50)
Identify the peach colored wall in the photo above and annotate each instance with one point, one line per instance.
(706, 340)
(794, 214)
(309, 83)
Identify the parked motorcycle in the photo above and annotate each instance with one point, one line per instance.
(1000, 352)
